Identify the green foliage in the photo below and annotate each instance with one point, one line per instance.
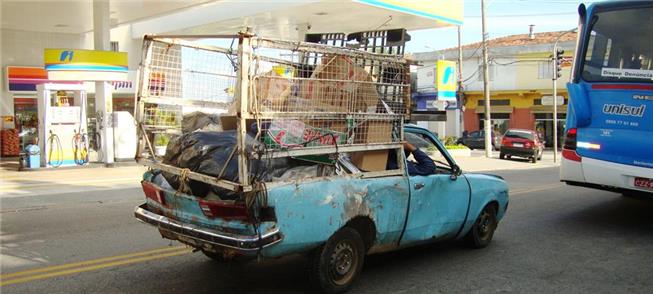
(451, 147)
(161, 139)
(450, 140)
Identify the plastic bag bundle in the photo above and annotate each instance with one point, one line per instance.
(207, 153)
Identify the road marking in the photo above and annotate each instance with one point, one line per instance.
(535, 189)
(91, 265)
(19, 185)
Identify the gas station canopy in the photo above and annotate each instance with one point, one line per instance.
(276, 19)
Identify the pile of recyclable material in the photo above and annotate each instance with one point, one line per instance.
(208, 153)
(200, 121)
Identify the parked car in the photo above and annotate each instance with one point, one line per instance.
(522, 143)
(476, 140)
(337, 220)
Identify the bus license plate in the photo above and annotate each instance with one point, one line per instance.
(644, 183)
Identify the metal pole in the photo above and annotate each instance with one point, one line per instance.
(555, 94)
(460, 84)
(555, 102)
(486, 88)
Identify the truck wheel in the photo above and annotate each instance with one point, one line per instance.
(481, 233)
(335, 265)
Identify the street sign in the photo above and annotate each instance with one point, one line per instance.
(548, 100)
(446, 80)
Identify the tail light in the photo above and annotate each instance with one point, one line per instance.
(153, 192)
(570, 139)
(569, 148)
(505, 142)
(224, 209)
(528, 144)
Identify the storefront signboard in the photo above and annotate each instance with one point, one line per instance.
(23, 79)
(548, 100)
(86, 65)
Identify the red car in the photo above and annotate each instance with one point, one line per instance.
(522, 143)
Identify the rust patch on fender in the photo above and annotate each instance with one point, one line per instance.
(356, 203)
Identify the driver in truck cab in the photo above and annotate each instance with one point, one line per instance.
(423, 166)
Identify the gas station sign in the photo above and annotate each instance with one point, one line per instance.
(446, 80)
(85, 65)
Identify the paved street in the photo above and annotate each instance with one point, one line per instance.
(555, 239)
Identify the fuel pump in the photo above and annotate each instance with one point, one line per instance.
(62, 124)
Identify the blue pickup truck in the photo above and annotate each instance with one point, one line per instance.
(337, 220)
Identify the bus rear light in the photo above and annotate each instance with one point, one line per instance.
(153, 192)
(570, 139)
(571, 155)
(224, 210)
(588, 145)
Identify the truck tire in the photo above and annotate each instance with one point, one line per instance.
(335, 265)
(480, 235)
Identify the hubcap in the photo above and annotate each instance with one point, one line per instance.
(485, 225)
(342, 263)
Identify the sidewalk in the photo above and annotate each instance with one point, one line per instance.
(67, 180)
(478, 162)
(55, 181)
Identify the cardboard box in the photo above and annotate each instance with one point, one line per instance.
(373, 132)
(230, 122)
(273, 88)
(332, 83)
(370, 160)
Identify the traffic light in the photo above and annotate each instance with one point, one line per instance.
(558, 61)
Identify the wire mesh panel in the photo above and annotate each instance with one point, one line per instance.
(179, 76)
(294, 99)
(337, 101)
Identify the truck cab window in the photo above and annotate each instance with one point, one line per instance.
(429, 147)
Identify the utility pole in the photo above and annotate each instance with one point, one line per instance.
(486, 88)
(556, 75)
(460, 85)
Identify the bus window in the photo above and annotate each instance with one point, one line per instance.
(620, 47)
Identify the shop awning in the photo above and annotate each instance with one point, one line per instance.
(548, 109)
(495, 109)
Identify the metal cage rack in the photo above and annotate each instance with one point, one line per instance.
(296, 98)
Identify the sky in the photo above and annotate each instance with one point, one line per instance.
(503, 18)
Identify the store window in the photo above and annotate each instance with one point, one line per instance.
(26, 119)
(500, 122)
(544, 70)
(544, 127)
(495, 102)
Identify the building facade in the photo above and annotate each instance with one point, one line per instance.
(521, 86)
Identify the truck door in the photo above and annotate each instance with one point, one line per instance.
(438, 202)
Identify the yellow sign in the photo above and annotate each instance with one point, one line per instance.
(85, 65)
(441, 10)
(446, 80)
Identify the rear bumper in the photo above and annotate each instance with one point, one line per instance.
(605, 175)
(207, 239)
(522, 152)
